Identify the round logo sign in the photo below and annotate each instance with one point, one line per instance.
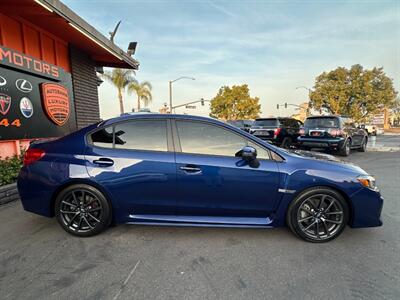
(26, 107)
(24, 85)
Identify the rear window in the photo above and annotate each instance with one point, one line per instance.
(321, 122)
(266, 122)
(237, 123)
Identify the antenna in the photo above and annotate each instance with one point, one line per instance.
(112, 33)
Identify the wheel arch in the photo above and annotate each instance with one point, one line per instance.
(327, 186)
(75, 182)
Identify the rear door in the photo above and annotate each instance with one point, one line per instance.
(134, 161)
(356, 134)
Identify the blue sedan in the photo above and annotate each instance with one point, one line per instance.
(153, 169)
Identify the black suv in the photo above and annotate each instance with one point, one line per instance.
(279, 131)
(336, 133)
(242, 124)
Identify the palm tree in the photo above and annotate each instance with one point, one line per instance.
(120, 78)
(143, 92)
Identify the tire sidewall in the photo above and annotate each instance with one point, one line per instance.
(291, 216)
(106, 216)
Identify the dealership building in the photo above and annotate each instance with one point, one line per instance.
(49, 59)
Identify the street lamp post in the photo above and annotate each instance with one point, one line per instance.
(309, 97)
(170, 90)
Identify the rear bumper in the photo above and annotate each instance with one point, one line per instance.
(325, 143)
(366, 208)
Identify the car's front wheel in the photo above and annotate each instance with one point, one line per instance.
(318, 215)
(82, 210)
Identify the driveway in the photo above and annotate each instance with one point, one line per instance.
(38, 260)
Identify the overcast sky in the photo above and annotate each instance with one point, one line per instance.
(274, 46)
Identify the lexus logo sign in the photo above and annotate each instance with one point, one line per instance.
(24, 85)
(3, 81)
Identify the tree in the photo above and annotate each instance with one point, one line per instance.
(355, 92)
(143, 92)
(120, 78)
(233, 103)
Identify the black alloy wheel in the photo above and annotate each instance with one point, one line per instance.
(82, 210)
(346, 148)
(286, 143)
(318, 215)
(363, 147)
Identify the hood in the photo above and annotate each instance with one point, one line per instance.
(328, 159)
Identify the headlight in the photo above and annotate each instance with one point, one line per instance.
(367, 181)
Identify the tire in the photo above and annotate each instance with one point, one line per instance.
(328, 223)
(82, 210)
(346, 148)
(286, 143)
(363, 147)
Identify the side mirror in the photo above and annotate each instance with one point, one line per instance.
(248, 153)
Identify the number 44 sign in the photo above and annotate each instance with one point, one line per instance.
(5, 122)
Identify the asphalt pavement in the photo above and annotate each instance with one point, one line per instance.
(38, 260)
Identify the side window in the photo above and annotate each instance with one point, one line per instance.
(142, 135)
(201, 138)
(103, 137)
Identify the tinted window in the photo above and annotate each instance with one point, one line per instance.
(142, 135)
(321, 122)
(201, 138)
(103, 137)
(266, 122)
(237, 123)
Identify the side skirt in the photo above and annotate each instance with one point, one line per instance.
(201, 221)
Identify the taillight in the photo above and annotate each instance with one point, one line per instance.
(335, 132)
(302, 131)
(32, 155)
(277, 131)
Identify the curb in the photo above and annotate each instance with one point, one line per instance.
(8, 193)
(383, 149)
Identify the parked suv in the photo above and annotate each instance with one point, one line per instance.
(245, 125)
(336, 133)
(279, 131)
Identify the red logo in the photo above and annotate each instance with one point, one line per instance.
(56, 102)
(5, 104)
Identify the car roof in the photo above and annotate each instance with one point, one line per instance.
(276, 118)
(328, 116)
(158, 116)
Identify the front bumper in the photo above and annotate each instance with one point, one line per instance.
(325, 143)
(366, 208)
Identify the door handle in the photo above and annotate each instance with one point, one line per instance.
(104, 162)
(190, 169)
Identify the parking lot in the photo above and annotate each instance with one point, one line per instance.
(38, 260)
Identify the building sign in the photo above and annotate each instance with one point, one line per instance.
(18, 60)
(56, 102)
(35, 102)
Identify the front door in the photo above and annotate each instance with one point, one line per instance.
(211, 181)
(135, 162)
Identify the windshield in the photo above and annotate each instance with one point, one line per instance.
(266, 122)
(321, 122)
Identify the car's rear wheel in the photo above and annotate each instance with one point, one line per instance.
(82, 210)
(286, 143)
(346, 148)
(318, 215)
(363, 147)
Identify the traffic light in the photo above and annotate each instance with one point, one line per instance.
(277, 106)
(285, 105)
(202, 101)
